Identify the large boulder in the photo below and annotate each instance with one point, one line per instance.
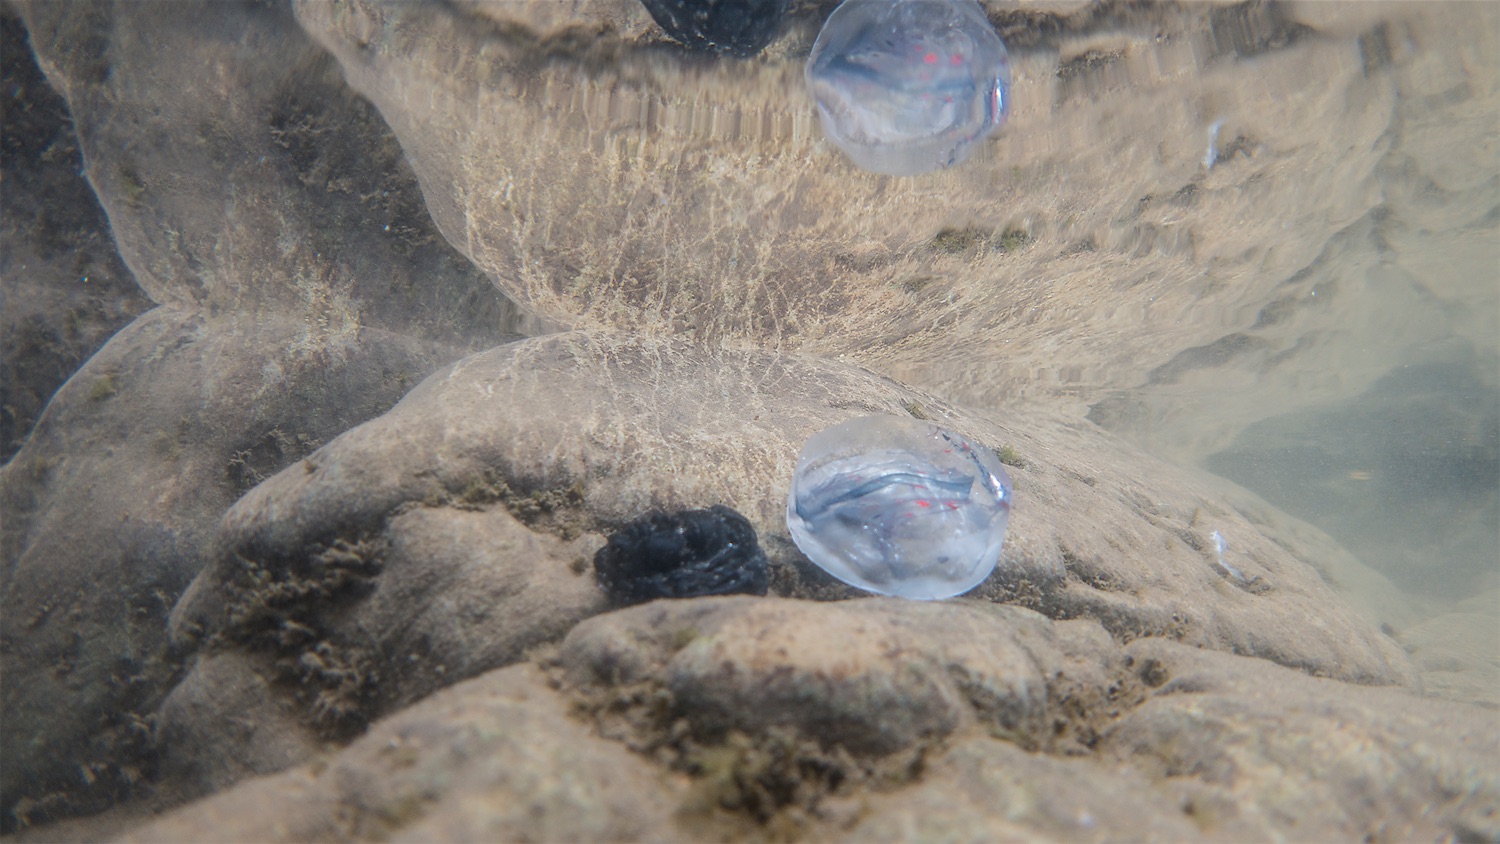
(301, 290)
(110, 512)
(502, 746)
(744, 718)
(454, 532)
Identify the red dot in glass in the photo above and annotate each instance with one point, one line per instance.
(956, 59)
(924, 503)
(930, 58)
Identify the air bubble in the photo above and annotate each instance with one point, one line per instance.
(900, 507)
(910, 86)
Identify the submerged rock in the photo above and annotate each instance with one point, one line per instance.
(360, 578)
(453, 534)
(873, 676)
(740, 718)
(63, 288)
(301, 290)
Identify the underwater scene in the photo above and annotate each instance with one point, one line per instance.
(749, 420)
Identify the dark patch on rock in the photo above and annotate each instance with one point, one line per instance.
(1247, 30)
(1213, 354)
(1375, 49)
(1088, 62)
(737, 27)
(277, 609)
(687, 554)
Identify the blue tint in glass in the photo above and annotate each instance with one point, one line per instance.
(900, 507)
(909, 86)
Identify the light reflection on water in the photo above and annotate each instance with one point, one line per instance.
(1388, 435)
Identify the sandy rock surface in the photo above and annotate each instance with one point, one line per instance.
(1456, 651)
(871, 676)
(1052, 732)
(503, 747)
(1370, 763)
(301, 290)
(455, 531)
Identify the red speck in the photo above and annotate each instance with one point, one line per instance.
(956, 59)
(952, 505)
(930, 58)
(924, 503)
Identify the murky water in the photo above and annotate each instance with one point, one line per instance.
(1258, 239)
(1384, 434)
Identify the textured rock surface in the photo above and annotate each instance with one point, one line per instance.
(225, 701)
(1320, 760)
(575, 434)
(873, 676)
(1456, 651)
(339, 631)
(450, 534)
(110, 509)
(496, 758)
(301, 291)
(1150, 741)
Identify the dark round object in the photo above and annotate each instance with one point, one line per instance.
(739, 27)
(686, 554)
